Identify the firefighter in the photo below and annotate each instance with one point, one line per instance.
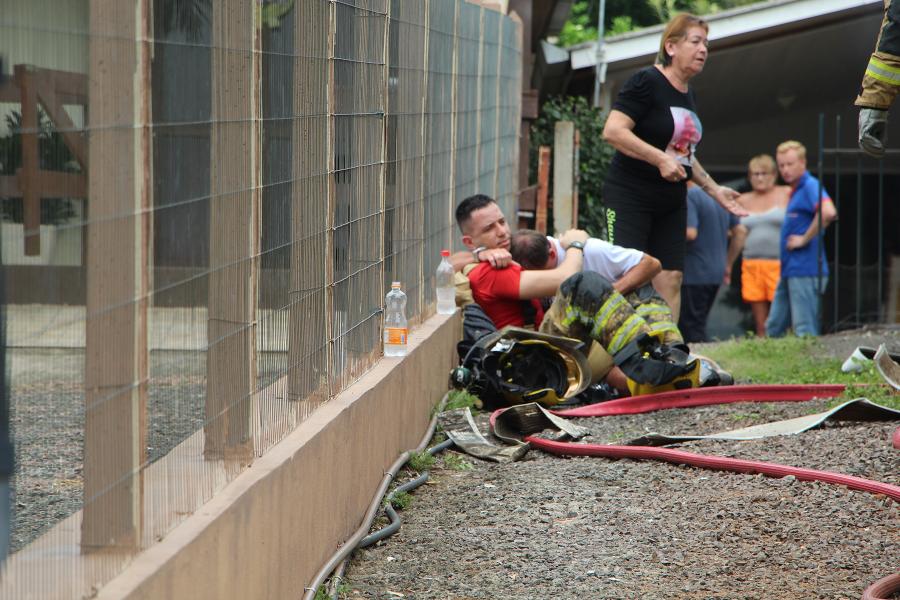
(880, 83)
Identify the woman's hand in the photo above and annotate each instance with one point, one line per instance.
(728, 198)
(670, 169)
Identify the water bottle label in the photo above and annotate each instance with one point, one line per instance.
(396, 335)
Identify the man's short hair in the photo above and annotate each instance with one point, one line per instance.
(468, 206)
(792, 145)
(530, 248)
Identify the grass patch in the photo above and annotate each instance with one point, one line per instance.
(462, 399)
(421, 461)
(456, 462)
(401, 500)
(797, 360)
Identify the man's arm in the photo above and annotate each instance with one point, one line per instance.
(638, 275)
(540, 284)
(829, 214)
(498, 257)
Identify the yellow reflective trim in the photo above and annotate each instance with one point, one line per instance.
(883, 66)
(652, 309)
(572, 314)
(623, 333)
(882, 78)
(661, 326)
(601, 319)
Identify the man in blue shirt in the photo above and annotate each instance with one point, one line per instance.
(804, 270)
(707, 261)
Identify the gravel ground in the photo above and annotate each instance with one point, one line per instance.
(551, 527)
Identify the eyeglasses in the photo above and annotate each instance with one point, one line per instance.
(761, 173)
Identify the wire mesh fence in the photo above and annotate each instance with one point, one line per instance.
(202, 204)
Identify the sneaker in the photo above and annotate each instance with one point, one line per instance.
(873, 131)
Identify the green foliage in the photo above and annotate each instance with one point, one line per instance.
(622, 16)
(455, 462)
(421, 461)
(322, 592)
(579, 27)
(401, 500)
(797, 360)
(594, 154)
(462, 399)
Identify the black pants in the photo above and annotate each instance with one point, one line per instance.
(696, 302)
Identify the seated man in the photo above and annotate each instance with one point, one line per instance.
(587, 306)
(630, 272)
(626, 268)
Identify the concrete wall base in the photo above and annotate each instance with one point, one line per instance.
(270, 530)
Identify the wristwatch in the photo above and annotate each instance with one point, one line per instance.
(478, 251)
(579, 245)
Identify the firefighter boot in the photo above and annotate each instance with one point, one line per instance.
(873, 131)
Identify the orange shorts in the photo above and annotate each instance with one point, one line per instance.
(759, 278)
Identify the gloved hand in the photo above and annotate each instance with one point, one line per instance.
(873, 131)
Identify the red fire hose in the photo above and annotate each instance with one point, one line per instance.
(880, 590)
(883, 589)
(720, 463)
(703, 396)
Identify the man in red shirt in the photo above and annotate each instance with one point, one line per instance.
(505, 291)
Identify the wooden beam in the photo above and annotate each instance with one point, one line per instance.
(563, 183)
(543, 186)
(75, 140)
(530, 104)
(233, 235)
(49, 184)
(28, 180)
(575, 177)
(116, 351)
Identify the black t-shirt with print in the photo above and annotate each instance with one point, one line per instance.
(665, 118)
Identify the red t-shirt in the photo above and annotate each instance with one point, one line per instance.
(497, 292)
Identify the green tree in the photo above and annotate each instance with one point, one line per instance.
(622, 16)
(594, 155)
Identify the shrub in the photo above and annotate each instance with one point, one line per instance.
(594, 155)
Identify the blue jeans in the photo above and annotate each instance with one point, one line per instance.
(797, 300)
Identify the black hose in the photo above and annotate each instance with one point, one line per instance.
(350, 545)
(394, 526)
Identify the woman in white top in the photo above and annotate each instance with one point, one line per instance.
(759, 236)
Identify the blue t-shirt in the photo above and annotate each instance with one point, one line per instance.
(704, 262)
(801, 210)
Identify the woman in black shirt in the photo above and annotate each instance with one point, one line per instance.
(654, 127)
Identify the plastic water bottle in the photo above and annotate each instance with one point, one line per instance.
(446, 291)
(396, 330)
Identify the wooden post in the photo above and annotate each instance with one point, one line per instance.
(575, 177)
(40, 86)
(307, 338)
(118, 263)
(233, 233)
(28, 175)
(540, 213)
(563, 182)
